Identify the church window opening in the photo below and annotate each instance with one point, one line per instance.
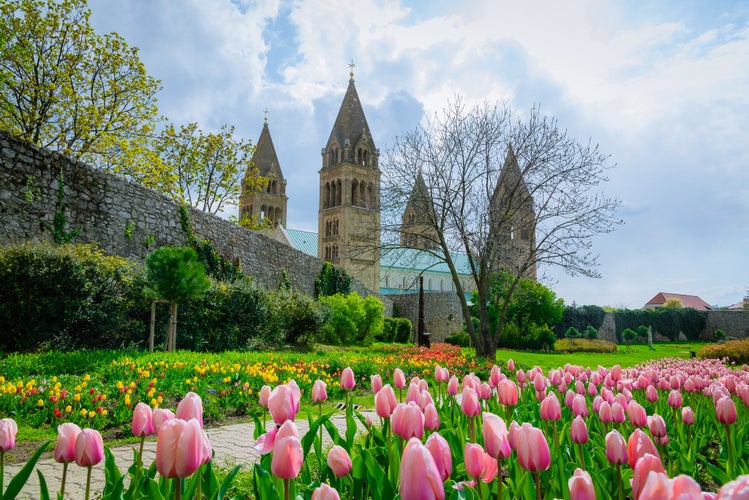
(355, 193)
(363, 194)
(338, 193)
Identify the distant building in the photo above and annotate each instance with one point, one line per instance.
(687, 301)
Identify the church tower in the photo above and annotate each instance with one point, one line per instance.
(513, 222)
(418, 221)
(269, 203)
(349, 214)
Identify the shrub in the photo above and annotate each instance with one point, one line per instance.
(461, 339)
(736, 351)
(352, 320)
(572, 333)
(719, 334)
(585, 345)
(402, 330)
(667, 322)
(590, 332)
(332, 281)
(540, 337)
(580, 318)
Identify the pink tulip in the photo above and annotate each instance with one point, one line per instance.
(399, 379)
(179, 448)
(425, 399)
(325, 492)
(579, 406)
(89, 448)
(385, 402)
(581, 486)
(8, 431)
(375, 383)
(550, 408)
(495, 375)
(473, 459)
(604, 413)
(507, 392)
(161, 415)
(656, 425)
(579, 431)
(339, 461)
(452, 386)
(287, 458)
(441, 374)
(65, 447)
(469, 402)
(319, 391)
(348, 381)
(637, 414)
(485, 391)
(283, 404)
(638, 445)
(645, 465)
(617, 413)
(675, 399)
(431, 417)
(287, 429)
(419, 477)
(539, 383)
(687, 415)
(264, 395)
(491, 468)
(190, 407)
(651, 394)
(413, 393)
(408, 421)
(142, 420)
(656, 486)
(725, 410)
(496, 440)
(511, 365)
(683, 486)
(531, 447)
(738, 489)
(441, 453)
(616, 448)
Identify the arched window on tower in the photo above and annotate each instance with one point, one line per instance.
(338, 193)
(333, 194)
(355, 193)
(364, 202)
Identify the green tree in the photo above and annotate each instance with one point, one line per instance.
(175, 275)
(673, 303)
(629, 335)
(331, 281)
(69, 89)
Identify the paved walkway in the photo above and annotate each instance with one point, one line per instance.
(232, 445)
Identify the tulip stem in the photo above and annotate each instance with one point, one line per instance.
(62, 484)
(537, 480)
(471, 428)
(582, 455)
(730, 450)
(285, 489)
(619, 481)
(556, 437)
(177, 488)
(88, 482)
(499, 478)
(2, 472)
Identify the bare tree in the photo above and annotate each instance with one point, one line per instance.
(511, 193)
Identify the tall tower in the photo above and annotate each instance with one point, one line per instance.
(418, 221)
(512, 222)
(349, 216)
(269, 203)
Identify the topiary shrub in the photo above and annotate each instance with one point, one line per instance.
(332, 281)
(403, 330)
(352, 320)
(585, 345)
(590, 332)
(461, 339)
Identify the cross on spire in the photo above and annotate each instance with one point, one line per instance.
(265, 115)
(351, 66)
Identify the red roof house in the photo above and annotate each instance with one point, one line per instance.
(691, 301)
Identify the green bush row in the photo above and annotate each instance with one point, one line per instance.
(396, 330)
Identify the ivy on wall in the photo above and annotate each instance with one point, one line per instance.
(667, 322)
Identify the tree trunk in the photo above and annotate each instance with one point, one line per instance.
(172, 330)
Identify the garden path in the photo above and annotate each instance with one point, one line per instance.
(232, 445)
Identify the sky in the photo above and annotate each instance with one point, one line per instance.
(662, 87)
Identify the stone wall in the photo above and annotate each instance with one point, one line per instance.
(734, 323)
(442, 313)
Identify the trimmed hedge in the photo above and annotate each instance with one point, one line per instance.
(737, 351)
(579, 318)
(396, 330)
(584, 345)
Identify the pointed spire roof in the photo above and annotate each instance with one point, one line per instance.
(511, 182)
(264, 158)
(420, 197)
(351, 124)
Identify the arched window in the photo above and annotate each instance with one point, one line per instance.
(326, 196)
(338, 193)
(442, 285)
(430, 284)
(363, 194)
(333, 194)
(354, 193)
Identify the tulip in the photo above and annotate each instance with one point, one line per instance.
(142, 424)
(283, 404)
(431, 417)
(511, 365)
(385, 402)
(325, 492)
(375, 383)
(89, 451)
(687, 415)
(190, 407)
(532, 448)
(264, 396)
(419, 477)
(581, 486)
(683, 486)
(485, 391)
(637, 414)
(452, 386)
(8, 431)
(604, 413)
(339, 461)
(579, 406)
(616, 448)
(65, 449)
(651, 393)
(579, 431)
(638, 445)
(408, 421)
(319, 391)
(473, 459)
(656, 425)
(413, 394)
(399, 379)
(617, 413)
(495, 375)
(490, 469)
(287, 459)
(725, 410)
(441, 453)
(179, 448)
(675, 399)
(656, 486)
(735, 490)
(469, 403)
(551, 410)
(161, 415)
(507, 392)
(348, 381)
(646, 465)
(496, 441)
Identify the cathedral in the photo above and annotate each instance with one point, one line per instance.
(348, 224)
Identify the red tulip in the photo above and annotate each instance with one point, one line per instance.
(419, 477)
(385, 402)
(646, 465)
(283, 404)
(319, 391)
(160, 415)
(264, 395)
(190, 407)
(179, 448)
(287, 458)
(431, 417)
(89, 448)
(408, 421)
(375, 383)
(581, 486)
(532, 448)
(452, 386)
(339, 461)
(550, 408)
(616, 448)
(469, 402)
(473, 459)
(441, 453)
(656, 425)
(687, 415)
(579, 431)
(507, 392)
(638, 445)
(496, 440)
(8, 431)
(142, 420)
(325, 492)
(65, 447)
(725, 410)
(399, 379)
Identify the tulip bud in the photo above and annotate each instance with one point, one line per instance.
(579, 431)
(531, 447)
(656, 425)
(473, 458)
(507, 392)
(452, 386)
(142, 424)
(725, 410)
(264, 395)
(339, 461)
(581, 486)
(399, 379)
(675, 399)
(180, 448)
(408, 421)
(161, 415)
(441, 453)
(431, 417)
(325, 492)
(287, 458)
(550, 408)
(65, 447)
(348, 381)
(319, 391)
(190, 407)
(385, 402)
(469, 402)
(89, 448)
(687, 415)
(495, 436)
(419, 477)
(616, 448)
(375, 383)
(8, 431)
